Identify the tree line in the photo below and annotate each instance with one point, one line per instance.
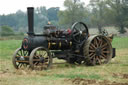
(18, 23)
(98, 14)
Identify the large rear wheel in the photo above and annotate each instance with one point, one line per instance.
(97, 50)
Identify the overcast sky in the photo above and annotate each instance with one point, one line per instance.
(11, 6)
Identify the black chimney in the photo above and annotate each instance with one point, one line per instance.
(30, 12)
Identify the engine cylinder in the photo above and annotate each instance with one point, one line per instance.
(59, 44)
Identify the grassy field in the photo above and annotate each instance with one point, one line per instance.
(114, 73)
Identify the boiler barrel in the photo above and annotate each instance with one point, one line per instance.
(31, 42)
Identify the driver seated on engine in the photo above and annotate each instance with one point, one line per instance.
(49, 29)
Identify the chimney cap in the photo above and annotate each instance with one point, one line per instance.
(30, 7)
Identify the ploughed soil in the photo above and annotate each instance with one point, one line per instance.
(75, 81)
(120, 75)
(80, 81)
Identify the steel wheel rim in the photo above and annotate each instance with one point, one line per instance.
(99, 50)
(40, 59)
(17, 63)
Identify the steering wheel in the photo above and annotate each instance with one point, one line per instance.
(79, 32)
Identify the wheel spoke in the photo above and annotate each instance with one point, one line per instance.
(99, 61)
(21, 52)
(24, 65)
(36, 63)
(101, 42)
(20, 65)
(18, 54)
(76, 34)
(92, 51)
(104, 45)
(91, 56)
(104, 55)
(35, 56)
(94, 60)
(98, 40)
(104, 48)
(95, 41)
(26, 53)
(101, 57)
(93, 46)
(44, 54)
(106, 51)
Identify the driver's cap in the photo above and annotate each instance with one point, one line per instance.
(49, 22)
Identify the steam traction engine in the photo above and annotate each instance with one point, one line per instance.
(75, 46)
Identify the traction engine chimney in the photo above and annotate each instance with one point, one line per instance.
(30, 12)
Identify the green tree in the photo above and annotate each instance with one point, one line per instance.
(52, 13)
(118, 14)
(40, 18)
(6, 31)
(74, 12)
(18, 21)
(98, 14)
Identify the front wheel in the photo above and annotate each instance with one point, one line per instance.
(20, 59)
(40, 59)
